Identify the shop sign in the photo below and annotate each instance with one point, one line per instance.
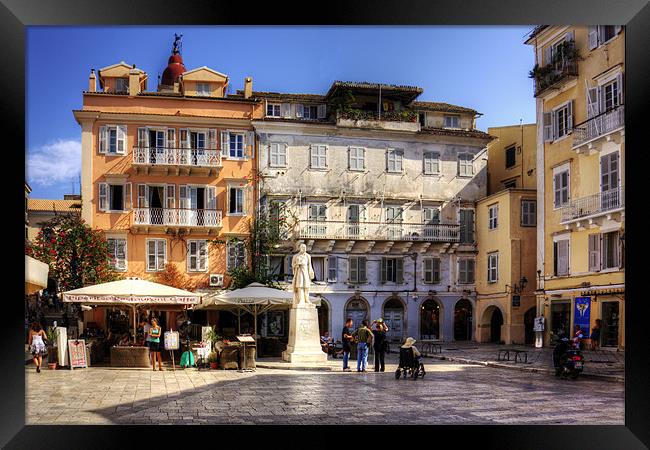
(582, 314)
(130, 299)
(516, 300)
(77, 352)
(171, 340)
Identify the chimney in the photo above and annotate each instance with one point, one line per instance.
(248, 87)
(134, 81)
(92, 81)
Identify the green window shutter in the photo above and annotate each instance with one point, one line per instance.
(362, 269)
(354, 270)
(383, 269)
(399, 270)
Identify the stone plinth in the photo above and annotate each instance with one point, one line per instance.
(304, 338)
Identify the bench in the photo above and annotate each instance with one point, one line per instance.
(431, 347)
(504, 355)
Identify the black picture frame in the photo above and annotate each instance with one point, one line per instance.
(15, 15)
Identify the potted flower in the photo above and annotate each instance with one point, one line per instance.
(52, 353)
(212, 359)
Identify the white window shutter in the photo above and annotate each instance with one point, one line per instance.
(250, 144)
(619, 86)
(128, 197)
(143, 137)
(554, 128)
(170, 196)
(103, 138)
(121, 139)
(593, 37)
(321, 111)
(225, 143)
(103, 196)
(592, 102)
(570, 116)
(212, 139)
(617, 28)
(362, 269)
(547, 55)
(183, 197)
(142, 196)
(286, 110)
(171, 138)
(300, 111)
(212, 197)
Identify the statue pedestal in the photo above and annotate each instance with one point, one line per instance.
(304, 338)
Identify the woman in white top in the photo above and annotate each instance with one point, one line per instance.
(37, 344)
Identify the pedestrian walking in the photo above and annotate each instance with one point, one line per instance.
(347, 339)
(154, 344)
(364, 337)
(595, 334)
(37, 344)
(380, 343)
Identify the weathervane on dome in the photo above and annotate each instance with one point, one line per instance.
(178, 45)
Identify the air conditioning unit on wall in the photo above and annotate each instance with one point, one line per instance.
(216, 279)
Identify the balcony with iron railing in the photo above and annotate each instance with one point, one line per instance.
(177, 217)
(563, 67)
(593, 206)
(599, 126)
(316, 229)
(173, 156)
(404, 120)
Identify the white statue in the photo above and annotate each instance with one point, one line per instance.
(303, 272)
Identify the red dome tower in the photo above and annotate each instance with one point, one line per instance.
(174, 67)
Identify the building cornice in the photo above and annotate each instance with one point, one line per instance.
(93, 115)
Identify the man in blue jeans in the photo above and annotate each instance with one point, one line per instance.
(364, 337)
(346, 338)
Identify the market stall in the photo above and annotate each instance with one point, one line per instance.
(134, 295)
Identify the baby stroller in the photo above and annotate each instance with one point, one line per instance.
(409, 365)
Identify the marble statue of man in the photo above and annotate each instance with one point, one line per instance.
(303, 272)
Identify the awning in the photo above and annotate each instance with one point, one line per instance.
(35, 275)
(591, 290)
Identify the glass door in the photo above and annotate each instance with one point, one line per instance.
(610, 317)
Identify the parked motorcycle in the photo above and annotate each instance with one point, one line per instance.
(568, 361)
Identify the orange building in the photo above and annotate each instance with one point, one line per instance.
(166, 172)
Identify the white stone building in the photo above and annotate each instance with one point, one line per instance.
(382, 190)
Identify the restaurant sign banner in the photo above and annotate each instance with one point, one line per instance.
(78, 355)
(134, 299)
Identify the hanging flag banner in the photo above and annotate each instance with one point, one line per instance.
(582, 314)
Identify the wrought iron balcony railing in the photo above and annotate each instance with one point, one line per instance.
(593, 205)
(172, 156)
(379, 231)
(177, 217)
(599, 125)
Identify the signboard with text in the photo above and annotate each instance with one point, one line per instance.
(171, 340)
(582, 315)
(77, 352)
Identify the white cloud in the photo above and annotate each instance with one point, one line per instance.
(57, 162)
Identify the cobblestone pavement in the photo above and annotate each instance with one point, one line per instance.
(600, 362)
(449, 393)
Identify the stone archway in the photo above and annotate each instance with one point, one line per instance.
(394, 313)
(430, 319)
(463, 318)
(357, 309)
(323, 316)
(491, 321)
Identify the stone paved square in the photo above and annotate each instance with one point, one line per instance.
(449, 393)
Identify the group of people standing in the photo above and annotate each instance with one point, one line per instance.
(364, 336)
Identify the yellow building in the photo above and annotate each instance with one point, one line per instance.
(506, 230)
(580, 155)
(40, 210)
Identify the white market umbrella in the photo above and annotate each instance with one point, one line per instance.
(35, 275)
(133, 292)
(254, 298)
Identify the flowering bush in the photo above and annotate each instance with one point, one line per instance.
(76, 254)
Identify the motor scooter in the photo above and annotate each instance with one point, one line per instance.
(568, 361)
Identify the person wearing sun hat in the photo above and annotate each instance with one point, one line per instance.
(409, 344)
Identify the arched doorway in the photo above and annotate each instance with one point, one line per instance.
(430, 319)
(394, 317)
(358, 310)
(529, 322)
(463, 320)
(323, 317)
(495, 325)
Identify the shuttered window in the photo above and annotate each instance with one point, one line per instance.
(156, 254)
(117, 253)
(465, 165)
(318, 156)
(493, 267)
(236, 145)
(357, 269)
(235, 200)
(511, 156)
(197, 255)
(493, 217)
(394, 160)
(277, 154)
(431, 269)
(561, 257)
(466, 226)
(431, 163)
(611, 249)
(332, 268)
(594, 252)
(528, 213)
(273, 109)
(357, 158)
(392, 270)
(466, 271)
(561, 188)
(112, 139)
(236, 255)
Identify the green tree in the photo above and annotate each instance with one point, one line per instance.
(77, 255)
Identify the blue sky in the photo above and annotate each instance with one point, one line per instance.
(485, 68)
